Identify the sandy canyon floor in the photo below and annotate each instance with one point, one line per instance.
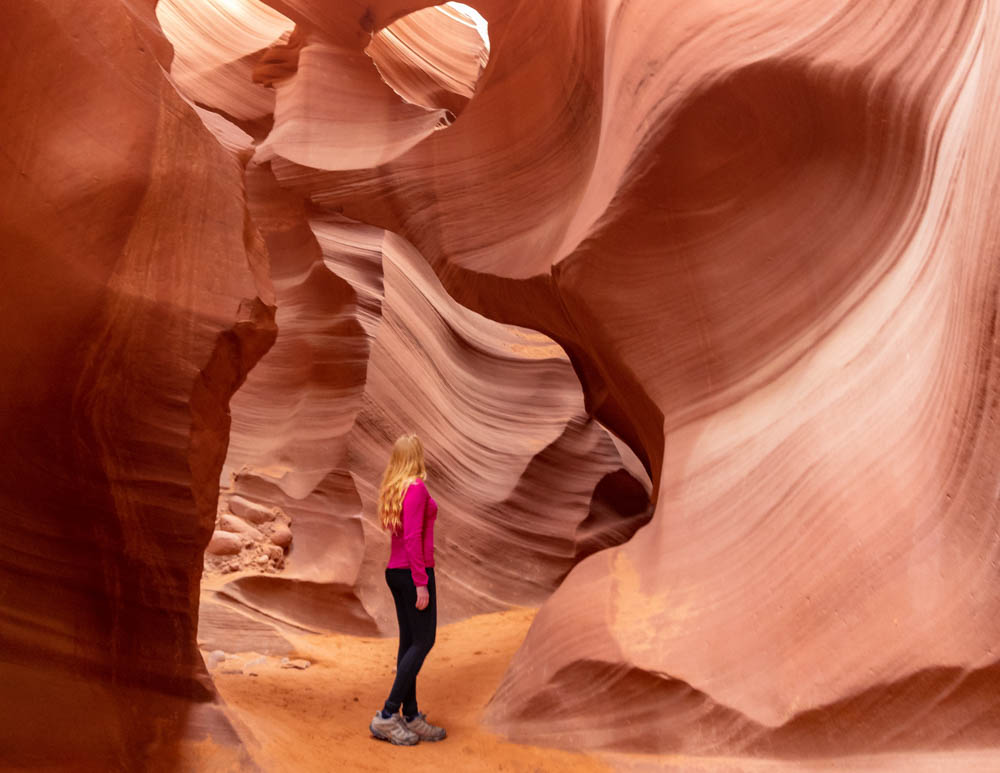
(316, 719)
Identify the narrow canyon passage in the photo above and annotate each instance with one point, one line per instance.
(694, 306)
(369, 346)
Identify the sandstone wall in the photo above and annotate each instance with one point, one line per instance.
(761, 236)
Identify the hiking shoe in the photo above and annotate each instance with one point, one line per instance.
(424, 729)
(392, 730)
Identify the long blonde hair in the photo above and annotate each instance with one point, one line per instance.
(405, 465)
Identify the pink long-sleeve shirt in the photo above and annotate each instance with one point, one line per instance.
(413, 547)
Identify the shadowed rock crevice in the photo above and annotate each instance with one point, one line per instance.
(780, 181)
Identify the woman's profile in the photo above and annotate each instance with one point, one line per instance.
(407, 511)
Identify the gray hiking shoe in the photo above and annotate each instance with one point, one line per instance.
(393, 730)
(424, 729)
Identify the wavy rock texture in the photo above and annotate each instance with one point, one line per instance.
(136, 299)
(761, 233)
(501, 411)
(369, 347)
(216, 46)
(761, 236)
(351, 121)
(433, 57)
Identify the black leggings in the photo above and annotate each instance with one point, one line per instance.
(417, 628)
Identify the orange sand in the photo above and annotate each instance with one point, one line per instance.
(317, 719)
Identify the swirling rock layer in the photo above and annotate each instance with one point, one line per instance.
(370, 347)
(761, 234)
(136, 300)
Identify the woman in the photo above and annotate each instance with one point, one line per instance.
(408, 511)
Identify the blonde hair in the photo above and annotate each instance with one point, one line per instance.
(406, 464)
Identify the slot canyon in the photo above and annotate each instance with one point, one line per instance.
(694, 306)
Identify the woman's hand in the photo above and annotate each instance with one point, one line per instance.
(423, 597)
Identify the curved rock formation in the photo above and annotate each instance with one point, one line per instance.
(760, 238)
(433, 57)
(136, 298)
(761, 233)
(369, 347)
(216, 46)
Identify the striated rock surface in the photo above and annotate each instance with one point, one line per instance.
(500, 409)
(136, 298)
(759, 235)
(433, 57)
(369, 347)
(216, 46)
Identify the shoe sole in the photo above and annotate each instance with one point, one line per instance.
(378, 736)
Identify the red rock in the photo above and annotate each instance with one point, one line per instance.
(136, 299)
(252, 512)
(215, 48)
(232, 523)
(760, 235)
(410, 57)
(761, 240)
(227, 627)
(225, 543)
(281, 536)
(387, 350)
